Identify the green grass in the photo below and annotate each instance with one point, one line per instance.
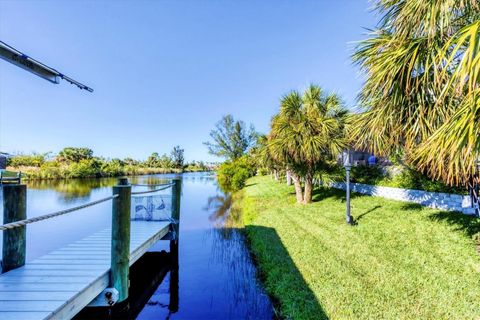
(401, 261)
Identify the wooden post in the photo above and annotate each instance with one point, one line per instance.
(123, 181)
(14, 240)
(174, 274)
(176, 196)
(120, 259)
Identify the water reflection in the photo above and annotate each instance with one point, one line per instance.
(219, 206)
(229, 250)
(217, 275)
(72, 190)
(150, 271)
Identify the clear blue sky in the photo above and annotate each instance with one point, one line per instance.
(165, 71)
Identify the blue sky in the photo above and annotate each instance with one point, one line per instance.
(165, 71)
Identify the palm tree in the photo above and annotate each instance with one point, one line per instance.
(421, 92)
(308, 131)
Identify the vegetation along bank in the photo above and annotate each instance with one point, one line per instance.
(72, 162)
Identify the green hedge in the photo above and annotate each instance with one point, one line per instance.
(231, 175)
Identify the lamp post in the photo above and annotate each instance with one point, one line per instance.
(348, 166)
(475, 189)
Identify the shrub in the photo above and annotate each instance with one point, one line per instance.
(23, 160)
(232, 175)
(113, 168)
(369, 174)
(85, 168)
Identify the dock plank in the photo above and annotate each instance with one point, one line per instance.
(23, 315)
(45, 279)
(35, 296)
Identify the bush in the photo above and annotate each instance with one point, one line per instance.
(369, 175)
(232, 175)
(113, 168)
(412, 179)
(86, 168)
(23, 160)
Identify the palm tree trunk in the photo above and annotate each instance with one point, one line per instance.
(307, 197)
(276, 175)
(298, 187)
(289, 177)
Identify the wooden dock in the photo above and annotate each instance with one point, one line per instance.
(93, 271)
(63, 282)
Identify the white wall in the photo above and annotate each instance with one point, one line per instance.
(437, 200)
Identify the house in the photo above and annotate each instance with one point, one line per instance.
(3, 160)
(361, 158)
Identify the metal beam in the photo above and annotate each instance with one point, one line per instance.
(12, 55)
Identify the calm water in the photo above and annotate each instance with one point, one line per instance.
(216, 278)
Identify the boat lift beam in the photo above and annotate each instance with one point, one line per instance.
(23, 61)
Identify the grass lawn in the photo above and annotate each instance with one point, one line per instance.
(401, 261)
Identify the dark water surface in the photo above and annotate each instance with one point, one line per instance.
(215, 278)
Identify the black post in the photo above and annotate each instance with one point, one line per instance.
(348, 167)
(120, 254)
(14, 240)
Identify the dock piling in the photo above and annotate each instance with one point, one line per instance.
(120, 254)
(176, 196)
(14, 240)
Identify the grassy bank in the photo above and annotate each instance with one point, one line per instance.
(401, 261)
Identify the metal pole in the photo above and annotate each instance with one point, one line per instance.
(475, 189)
(120, 251)
(349, 217)
(14, 240)
(348, 166)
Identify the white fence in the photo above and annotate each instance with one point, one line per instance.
(437, 200)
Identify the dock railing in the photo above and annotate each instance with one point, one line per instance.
(15, 221)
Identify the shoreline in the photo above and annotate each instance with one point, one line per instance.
(148, 171)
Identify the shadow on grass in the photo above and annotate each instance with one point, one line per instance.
(461, 222)
(366, 212)
(412, 206)
(282, 280)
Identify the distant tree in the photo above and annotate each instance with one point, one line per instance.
(33, 160)
(178, 156)
(153, 160)
(72, 154)
(231, 139)
(165, 161)
(130, 162)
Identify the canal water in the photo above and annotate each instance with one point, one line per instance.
(215, 278)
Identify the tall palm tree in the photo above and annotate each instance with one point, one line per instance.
(308, 130)
(421, 92)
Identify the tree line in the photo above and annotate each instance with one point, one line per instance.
(75, 162)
